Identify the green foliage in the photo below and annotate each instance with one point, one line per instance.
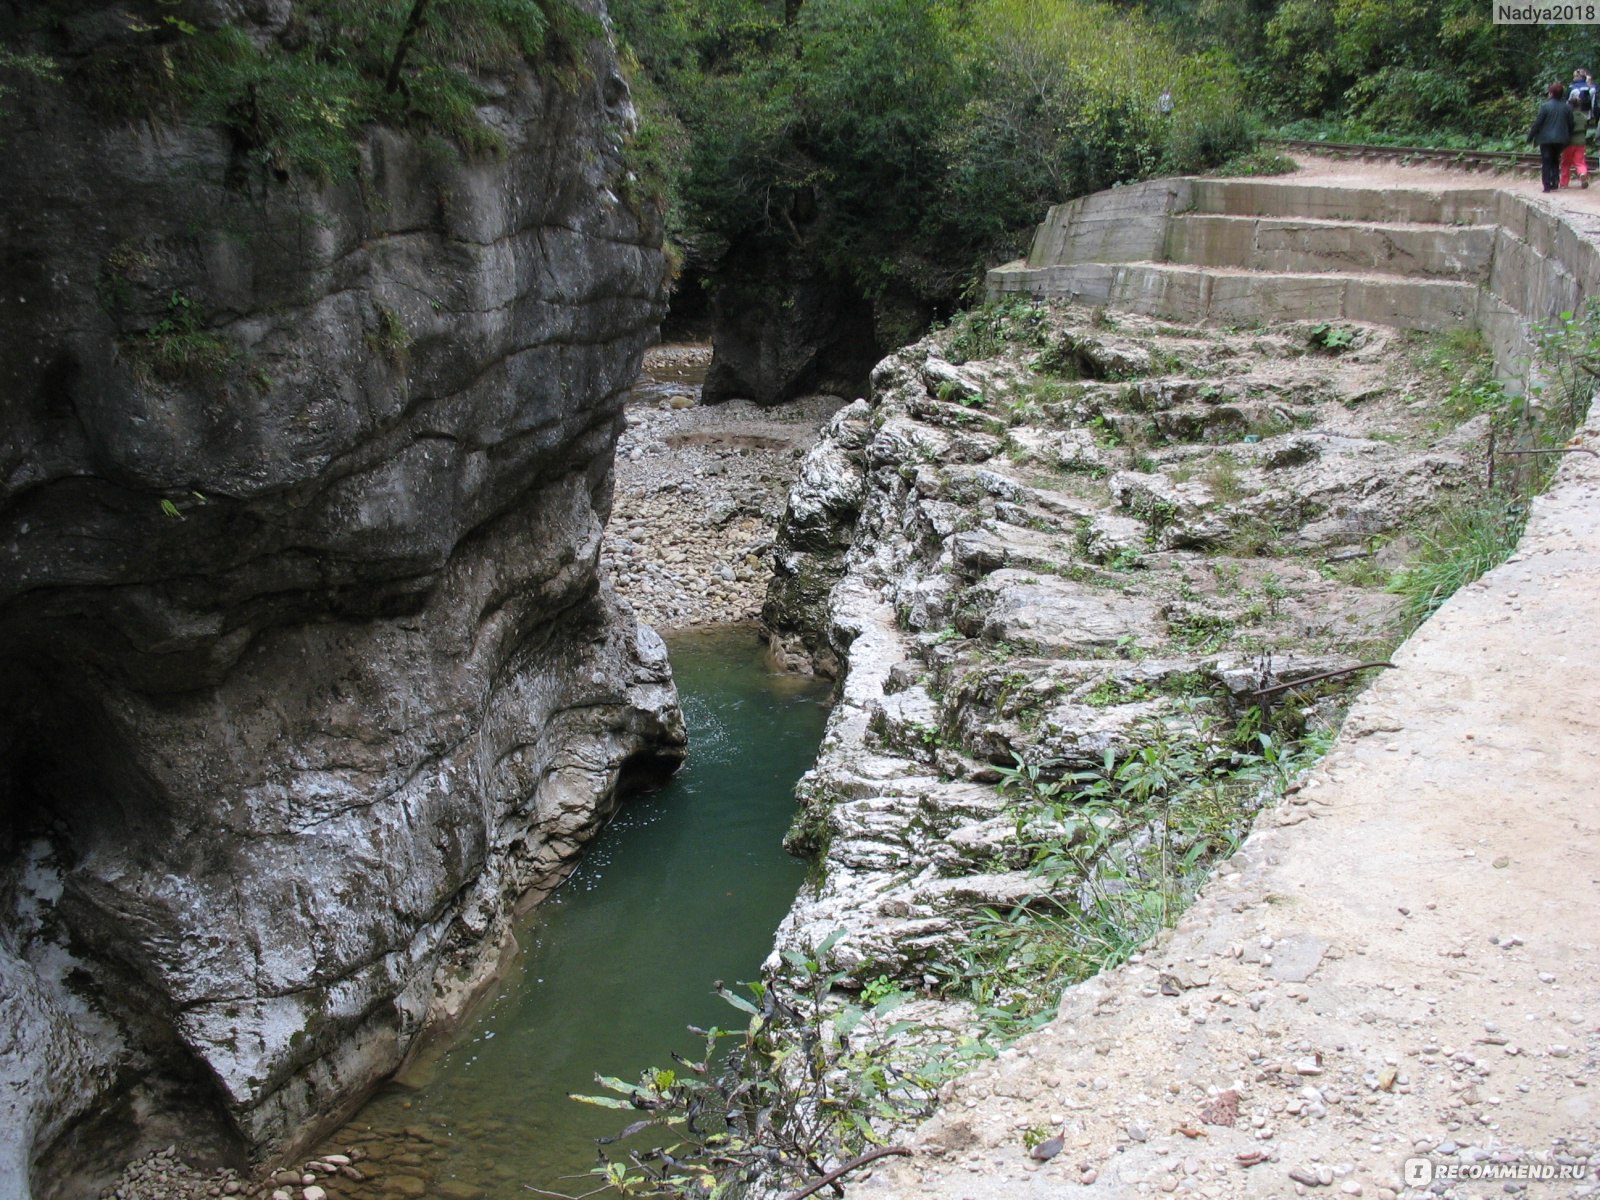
(1111, 690)
(177, 348)
(1479, 531)
(1256, 162)
(1222, 476)
(390, 338)
(1331, 339)
(901, 146)
(989, 330)
(17, 66)
(805, 1081)
(1415, 71)
(297, 105)
(1464, 365)
(1463, 543)
(1118, 851)
(1569, 356)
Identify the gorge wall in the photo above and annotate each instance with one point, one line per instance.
(310, 672)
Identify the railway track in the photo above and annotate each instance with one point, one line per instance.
(1499, 161)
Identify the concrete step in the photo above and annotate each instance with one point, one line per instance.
(1282, 250)
(1413, 206)
(1307, 245)
(1178, 292)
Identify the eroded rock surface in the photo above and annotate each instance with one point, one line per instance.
(1093, 542)
(310, 673)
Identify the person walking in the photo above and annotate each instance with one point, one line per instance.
(1575, 156)
(1581, 84)
(1551, 131)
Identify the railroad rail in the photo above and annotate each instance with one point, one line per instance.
(1499, 161)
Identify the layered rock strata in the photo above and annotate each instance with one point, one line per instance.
(1099, 538)
(311, 672)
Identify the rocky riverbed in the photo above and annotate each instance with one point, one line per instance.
(699, 491)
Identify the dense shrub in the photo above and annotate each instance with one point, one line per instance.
(904, 145)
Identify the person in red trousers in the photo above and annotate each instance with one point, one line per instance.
(1573, 158)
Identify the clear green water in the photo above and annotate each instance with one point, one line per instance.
(685, 887)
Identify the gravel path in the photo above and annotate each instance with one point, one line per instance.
(1396, 977)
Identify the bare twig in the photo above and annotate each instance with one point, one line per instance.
(563, 1195)
(845, 1168)
(1284, 687)
(1561, 450)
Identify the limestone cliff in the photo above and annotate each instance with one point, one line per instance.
(1053, 543)
(310, 670)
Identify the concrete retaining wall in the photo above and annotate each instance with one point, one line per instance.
(1242, 251)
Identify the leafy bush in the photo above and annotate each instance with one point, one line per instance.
(1257, 162)
(808, 1080)
(989, 330)
(903, 146)
(1408, 102)
(1331, 339)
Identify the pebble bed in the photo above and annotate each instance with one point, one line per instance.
(392, 1169)
(699, 493)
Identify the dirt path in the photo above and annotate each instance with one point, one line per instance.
(1582, 203)
(1401, 963)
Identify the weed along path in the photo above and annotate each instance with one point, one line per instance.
(1393, 988)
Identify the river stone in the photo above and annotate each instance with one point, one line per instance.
(403, 1185)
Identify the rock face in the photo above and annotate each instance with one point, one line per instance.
(1064, 567)
(311, 674)
(783, 328)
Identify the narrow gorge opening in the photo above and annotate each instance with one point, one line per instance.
(685, 886)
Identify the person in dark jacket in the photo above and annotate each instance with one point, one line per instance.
(1551, 131)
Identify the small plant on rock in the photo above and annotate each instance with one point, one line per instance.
(1331, 339)
(178, 348)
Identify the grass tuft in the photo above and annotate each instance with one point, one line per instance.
(1464, 543)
